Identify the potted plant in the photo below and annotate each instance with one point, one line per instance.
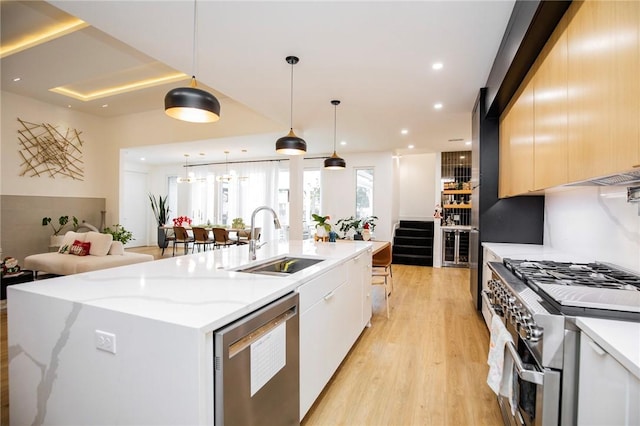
(160, 207)
(323, 227)
(63, 221)
(238, 223)
(119, 233)
(358, 225)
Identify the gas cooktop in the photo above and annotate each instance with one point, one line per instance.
(581, 288)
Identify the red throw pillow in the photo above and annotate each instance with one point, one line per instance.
(79, 248)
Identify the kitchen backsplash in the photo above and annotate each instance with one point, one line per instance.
(595, 222)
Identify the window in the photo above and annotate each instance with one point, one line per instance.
(311, 199)
(364, 192)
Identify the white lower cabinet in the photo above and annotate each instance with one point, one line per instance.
(331, 320)
(360, 271)
(608, 393)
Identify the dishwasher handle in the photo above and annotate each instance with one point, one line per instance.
(252, 337)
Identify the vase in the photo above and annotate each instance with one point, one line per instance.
(103, 221)
(162, 238)
(321, 232)
(357, 236)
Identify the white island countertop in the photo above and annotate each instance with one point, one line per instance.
(197, 290)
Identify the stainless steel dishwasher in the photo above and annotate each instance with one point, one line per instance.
(256, 372)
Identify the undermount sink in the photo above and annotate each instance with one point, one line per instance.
(283, 266)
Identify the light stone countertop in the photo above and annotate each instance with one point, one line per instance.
(533, 252)
(621, 339)
(197, 290)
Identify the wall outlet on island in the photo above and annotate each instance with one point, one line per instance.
(106, 341)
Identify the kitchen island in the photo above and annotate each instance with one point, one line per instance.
(156, 322)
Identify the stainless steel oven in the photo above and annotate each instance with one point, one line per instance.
(538, 302)
(536, 389)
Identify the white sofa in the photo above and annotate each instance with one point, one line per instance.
(103, 253)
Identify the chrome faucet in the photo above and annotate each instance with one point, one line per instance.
(252, 241)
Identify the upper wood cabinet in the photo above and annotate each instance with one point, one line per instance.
(577, 114)
(550, 112)
(603, 96)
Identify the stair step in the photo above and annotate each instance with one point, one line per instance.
(412, 259)
(413, 232)
(405, 249)
(413, 241)
(416, 224)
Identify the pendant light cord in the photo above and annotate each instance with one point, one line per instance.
(193, 56)
(291, 100)
(335, 120)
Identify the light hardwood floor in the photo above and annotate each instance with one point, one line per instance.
(426, 365)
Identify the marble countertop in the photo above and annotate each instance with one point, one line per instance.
(621, 339)
(533, 252)
(198, 290)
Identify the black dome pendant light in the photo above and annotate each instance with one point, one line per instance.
(190, 103)
(291, 144)
(334, 162)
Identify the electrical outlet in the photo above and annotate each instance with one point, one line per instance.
(106, 341)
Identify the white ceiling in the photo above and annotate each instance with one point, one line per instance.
(374, 56)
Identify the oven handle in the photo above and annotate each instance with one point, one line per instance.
(531, 376)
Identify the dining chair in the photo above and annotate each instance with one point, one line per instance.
(221, 238)
(245, 236)
(381, 264)
(181, 237)
(200, 239)
(381, 272)
(169, 238)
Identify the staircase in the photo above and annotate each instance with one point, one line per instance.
(413, 243)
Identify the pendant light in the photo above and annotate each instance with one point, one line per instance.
(334, 162)
(190, 103)
(186, 178)
(225, 177)
(291, 144)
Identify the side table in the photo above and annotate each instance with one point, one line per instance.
(24, 276)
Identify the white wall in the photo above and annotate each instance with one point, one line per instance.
(595, 222)
(417, 196)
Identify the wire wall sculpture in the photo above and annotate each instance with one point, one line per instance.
(45, 151)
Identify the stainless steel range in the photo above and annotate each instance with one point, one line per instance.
(538, 302)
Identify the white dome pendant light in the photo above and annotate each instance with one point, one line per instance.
(334, 162)
(190, 103)
(291, 144)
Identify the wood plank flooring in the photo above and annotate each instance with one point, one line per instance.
(426, 365)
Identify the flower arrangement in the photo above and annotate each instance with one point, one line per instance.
(238, 223)
(9, 266)
(322, 221)
(119, 233)
(181, 221)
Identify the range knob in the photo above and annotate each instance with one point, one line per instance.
(535, 333)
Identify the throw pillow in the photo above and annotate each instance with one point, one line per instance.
(80, 248)
(117, 248)
(100, 243)
(68, 240)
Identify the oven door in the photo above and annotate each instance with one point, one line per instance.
(536, 389)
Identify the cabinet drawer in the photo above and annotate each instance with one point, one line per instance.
(316, 289)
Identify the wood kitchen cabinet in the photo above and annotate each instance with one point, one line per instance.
(608, 393)
(550, 112)
(516, 143)
(603, 101)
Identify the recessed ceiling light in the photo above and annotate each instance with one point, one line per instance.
(15, 80)
(404, 131)
(68, 106)
(105, 105)
(411, 146)
(437, 66)
(467, 143)
(142, 159)
(462, 157)
(437, 106)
